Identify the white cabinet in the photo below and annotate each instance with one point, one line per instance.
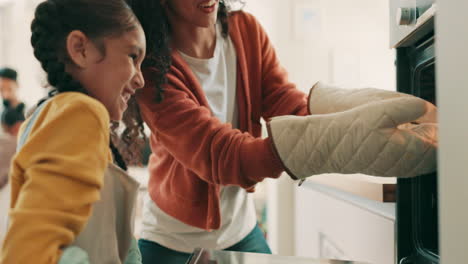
(452, 92)
(334, 224)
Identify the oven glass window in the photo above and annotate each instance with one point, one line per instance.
(425, 187)
(417, 203)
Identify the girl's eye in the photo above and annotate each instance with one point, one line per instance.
(133, 56)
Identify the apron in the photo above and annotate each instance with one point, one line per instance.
(107, 235)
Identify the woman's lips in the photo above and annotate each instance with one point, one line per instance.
(208, 6)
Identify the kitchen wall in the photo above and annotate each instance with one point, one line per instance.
(349, 47)
(16, 50)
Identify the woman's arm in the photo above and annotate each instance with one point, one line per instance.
(214, 151)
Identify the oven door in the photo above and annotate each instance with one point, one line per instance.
(417, 205)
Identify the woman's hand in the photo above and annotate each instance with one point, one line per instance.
(367, 139)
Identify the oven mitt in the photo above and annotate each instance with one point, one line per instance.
(325, 99)
(374, 138)
(76, 255)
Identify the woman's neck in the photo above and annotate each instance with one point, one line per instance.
(197, 42)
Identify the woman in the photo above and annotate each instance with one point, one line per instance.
(210, 76)
(70, 204)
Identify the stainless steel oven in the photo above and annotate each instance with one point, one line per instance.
(413, 36)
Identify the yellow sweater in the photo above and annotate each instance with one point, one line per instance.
(55, 178)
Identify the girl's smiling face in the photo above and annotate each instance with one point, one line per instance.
(110, 72)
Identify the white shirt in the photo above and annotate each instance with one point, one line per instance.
(217, 76)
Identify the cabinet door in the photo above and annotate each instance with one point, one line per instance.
(452, 92)
(338, 227)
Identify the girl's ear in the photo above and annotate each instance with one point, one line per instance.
(77, 45)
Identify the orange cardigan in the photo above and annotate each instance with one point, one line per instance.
(194, 154)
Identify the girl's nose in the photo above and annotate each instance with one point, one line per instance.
(139, 81)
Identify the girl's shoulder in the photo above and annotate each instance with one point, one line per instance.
(74, 101)
(68, 106)
(77, 100)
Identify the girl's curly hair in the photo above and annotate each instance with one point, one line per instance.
(53, 21)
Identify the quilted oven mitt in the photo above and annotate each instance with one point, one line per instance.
(374, 138)
(325, 99)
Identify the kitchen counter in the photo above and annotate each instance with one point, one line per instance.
(380, 189)
(336, 187)
(205, 256)
(335, 223)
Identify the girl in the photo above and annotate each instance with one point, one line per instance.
(69, 202)
(211, 75)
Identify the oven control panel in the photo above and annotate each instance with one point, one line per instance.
(405, 16)
(410, 20)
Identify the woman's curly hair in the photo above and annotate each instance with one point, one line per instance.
(155, 23)
(53, 21)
